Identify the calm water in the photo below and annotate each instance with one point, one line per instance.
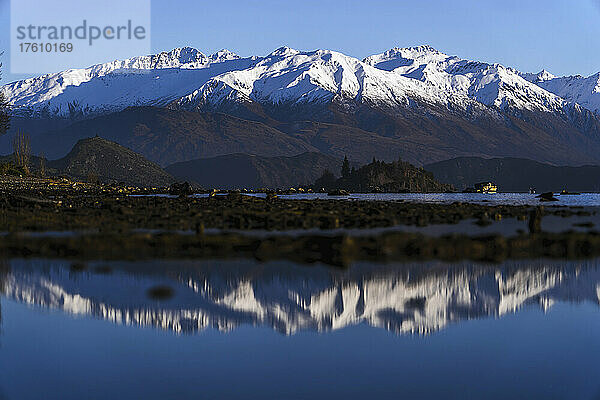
(241, 329)
(584, 199)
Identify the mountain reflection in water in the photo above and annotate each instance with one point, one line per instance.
(4, 270)
(188, 296)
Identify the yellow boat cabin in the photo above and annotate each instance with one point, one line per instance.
(486, 187)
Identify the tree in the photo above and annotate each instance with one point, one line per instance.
(326, 181)
(4, 110)
(22, 150)
(42, 165)
(345, 168)
(4, 115)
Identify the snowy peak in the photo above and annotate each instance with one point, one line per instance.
(283, 52)
(223, 55)
(289, 76)
(575, 89)
(541, 76)
(184, 57)
(147, 80)
(177, 58)
(544, 75)
(285, 75)
(395, 78)
(490, 84)
(407, 57)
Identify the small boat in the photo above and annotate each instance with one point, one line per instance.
(486, 187)
(564, 192)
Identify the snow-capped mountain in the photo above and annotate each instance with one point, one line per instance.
(289, 299)
(415, 103)
(541, 76)
(575, 89)
(393, 78)
(148, 80)
(290, 76)
(489, 84)
(191, 78)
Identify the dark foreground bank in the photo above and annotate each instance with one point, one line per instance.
(338, 250)
(115, 212)
(102, 225)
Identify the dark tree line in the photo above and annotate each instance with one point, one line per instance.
(379, 176)
(4, 110)
(345, 168)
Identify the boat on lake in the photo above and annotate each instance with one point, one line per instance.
(486, 187)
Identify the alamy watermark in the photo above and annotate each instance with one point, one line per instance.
(62, 34)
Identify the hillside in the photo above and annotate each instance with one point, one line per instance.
(110, 162)
(254, 172)
(378, 176)
(515, 174)
(420, 134)
(167, 136)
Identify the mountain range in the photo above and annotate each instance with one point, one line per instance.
(416, 103)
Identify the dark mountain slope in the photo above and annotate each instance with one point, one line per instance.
(110, 162)
(543, 136)
(418, 133)
(515, 174)
(253, 172)
(423, 133)
(166, 136)
(360, 145)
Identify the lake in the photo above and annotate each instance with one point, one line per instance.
(244, 329)
(583, 199)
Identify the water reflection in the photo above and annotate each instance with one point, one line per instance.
(4, 270)
(585, 199)
(188, 297)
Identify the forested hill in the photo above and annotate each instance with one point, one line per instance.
(379, 176)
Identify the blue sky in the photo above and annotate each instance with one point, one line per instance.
(562, 36)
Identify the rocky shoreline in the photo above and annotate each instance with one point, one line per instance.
(91, 222)
(123, 210)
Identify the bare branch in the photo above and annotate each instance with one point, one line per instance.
(22, 150)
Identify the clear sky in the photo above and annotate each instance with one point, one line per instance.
(562, 36)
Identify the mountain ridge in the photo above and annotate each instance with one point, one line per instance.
(225, 71)
(417, 103)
